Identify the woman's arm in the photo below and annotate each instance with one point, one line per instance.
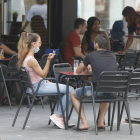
(128, 44)
(7, 50)
(32, 63)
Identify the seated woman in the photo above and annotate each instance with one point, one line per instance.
(29, 44)
(90, 35)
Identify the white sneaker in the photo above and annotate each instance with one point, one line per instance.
(58, 121)
(70, 123)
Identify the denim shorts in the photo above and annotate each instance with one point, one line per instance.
(87, 93)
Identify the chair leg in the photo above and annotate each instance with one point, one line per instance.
(28, 113)
(118, 117)
(79, 115)
(52, 109)
(94, 114)
(113, 116)
(41, 102)
(109, 111)
(28, 103)
(128, 113)
(70, 112)
(6, 93)
(18, 111)
(122, 111)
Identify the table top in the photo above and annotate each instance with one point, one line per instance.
(132, 35)
(5, 58)
(117, 54)
(73, 74)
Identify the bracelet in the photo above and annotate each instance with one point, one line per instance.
(13, 52)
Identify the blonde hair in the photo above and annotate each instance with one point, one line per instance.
(24, 45)
(40, 1)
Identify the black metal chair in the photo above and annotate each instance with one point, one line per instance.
(2, 79)
(109, 82)
(130, 60)
(56, 69)
(26, 83)
(53, 61)
(61, 67)
(134, 84)
(12, 72)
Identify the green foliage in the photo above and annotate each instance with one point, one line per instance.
(15, 13)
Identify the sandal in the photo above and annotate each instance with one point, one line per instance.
(5, 101)
(101, 129)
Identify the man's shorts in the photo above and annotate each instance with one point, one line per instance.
(87, 93)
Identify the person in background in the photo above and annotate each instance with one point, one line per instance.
(40, 8)
(37, 26)
(6, 49)
(11, 85)
(90, 35)
(132, 17)
(73, 47)
(100, 60)
(29, 44)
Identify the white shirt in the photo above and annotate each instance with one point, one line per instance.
(38, 9)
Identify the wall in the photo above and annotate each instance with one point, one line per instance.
(116, 8)
(88, 8)
(69, 14)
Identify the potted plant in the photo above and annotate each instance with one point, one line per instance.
(15, 15)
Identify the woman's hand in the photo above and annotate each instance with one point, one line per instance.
(51, 56)
(121, 52)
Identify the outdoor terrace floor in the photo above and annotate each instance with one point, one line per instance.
(38, 129)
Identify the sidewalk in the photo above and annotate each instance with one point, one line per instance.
(37, 127)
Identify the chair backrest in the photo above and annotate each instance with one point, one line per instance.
(25, 79)
(70, 60)
(61, 67)
(43, 63)
(47, 51)
(58, 58)
(134, 81)
(130, 59)
(12, 66)
(113, 82)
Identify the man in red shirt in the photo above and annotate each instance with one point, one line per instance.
(73, 47)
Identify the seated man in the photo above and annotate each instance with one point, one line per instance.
(73, 47)
(100, 60)
(6, 49)
(13, 86)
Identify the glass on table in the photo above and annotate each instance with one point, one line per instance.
(1, 53)
(75, 65)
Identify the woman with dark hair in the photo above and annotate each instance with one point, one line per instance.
(132, 17)
(90, 35)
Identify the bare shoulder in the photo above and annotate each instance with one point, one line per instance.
(32, 62)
